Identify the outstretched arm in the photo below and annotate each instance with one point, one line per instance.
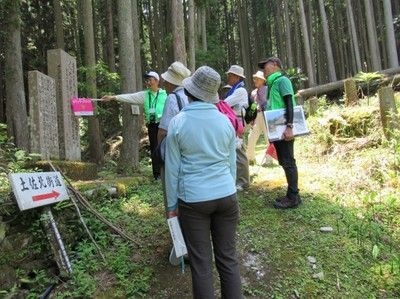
(130, 98)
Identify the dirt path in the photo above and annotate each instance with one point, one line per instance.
(170, 282)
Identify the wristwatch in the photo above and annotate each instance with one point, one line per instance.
(289, 125)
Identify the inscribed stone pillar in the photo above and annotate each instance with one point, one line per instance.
(388, 109)
(62, 67)
(43, 128)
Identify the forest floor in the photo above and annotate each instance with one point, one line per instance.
(349, 183)
(284, 253)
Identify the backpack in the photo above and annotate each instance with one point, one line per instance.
(251, 110)
(237, 124)
(158, 155)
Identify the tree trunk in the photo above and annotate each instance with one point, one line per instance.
(58, 20)
(16, 111)
(390, 38)
(322, 70)
(372, 38)
(138, 59)
(154, 34)
(278, 29)
(110, 54)
(362, 30)
(353, 36)
(244, 40)
(96, 153)
(327, 40)
(287, 25)
(380, 32)
(309, 12)
(306, 41)
(396, 7)
(256, 46)
(178, 31)
(129, 157)
(191, 37)
(77, 15)
(203, 28)
(136, 43)
(2, 98)
(297, 43)
(338, 85)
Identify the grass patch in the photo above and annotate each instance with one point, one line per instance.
(349, 181)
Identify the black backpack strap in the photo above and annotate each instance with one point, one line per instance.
(178, 100)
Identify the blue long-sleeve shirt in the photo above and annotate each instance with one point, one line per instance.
(200, 159)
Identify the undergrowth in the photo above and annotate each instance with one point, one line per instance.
(349, 181)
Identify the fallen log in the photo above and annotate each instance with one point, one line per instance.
(392, 77)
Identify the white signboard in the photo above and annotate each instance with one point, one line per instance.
(37, 189)
(276, 123)
(135, 109)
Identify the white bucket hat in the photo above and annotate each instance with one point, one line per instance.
(204, 84)
(176, 73)
(259, 75)
(237, 70)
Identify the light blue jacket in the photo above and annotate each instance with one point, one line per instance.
(200, 159)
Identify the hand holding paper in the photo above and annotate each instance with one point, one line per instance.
(177, 237)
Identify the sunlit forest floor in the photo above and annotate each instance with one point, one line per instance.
(342, 242)
(284, 254)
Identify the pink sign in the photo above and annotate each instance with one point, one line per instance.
(82, 106)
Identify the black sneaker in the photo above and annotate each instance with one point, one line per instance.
(280, 198)
(287, 203)
(284, 197)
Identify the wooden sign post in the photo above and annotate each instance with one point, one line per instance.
(38, 189)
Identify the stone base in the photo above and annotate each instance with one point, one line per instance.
(74, 170)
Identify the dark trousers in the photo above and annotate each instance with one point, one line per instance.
(242, 168)
(285, 153)
(152, 131)
(218, 217)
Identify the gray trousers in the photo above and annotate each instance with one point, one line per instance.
(162, 177)
(218, 218)
(242, 167)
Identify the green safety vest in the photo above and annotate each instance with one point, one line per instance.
(154, 105)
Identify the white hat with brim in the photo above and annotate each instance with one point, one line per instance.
(204, 84)
(259, 75)
(152, 74)
(176, 73)
(236, 70)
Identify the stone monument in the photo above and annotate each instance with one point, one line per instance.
(43, 127)
(62, 67)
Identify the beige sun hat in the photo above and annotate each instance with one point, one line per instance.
(176, 73)
(237, 70)
(204, 84)
(259, 75)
